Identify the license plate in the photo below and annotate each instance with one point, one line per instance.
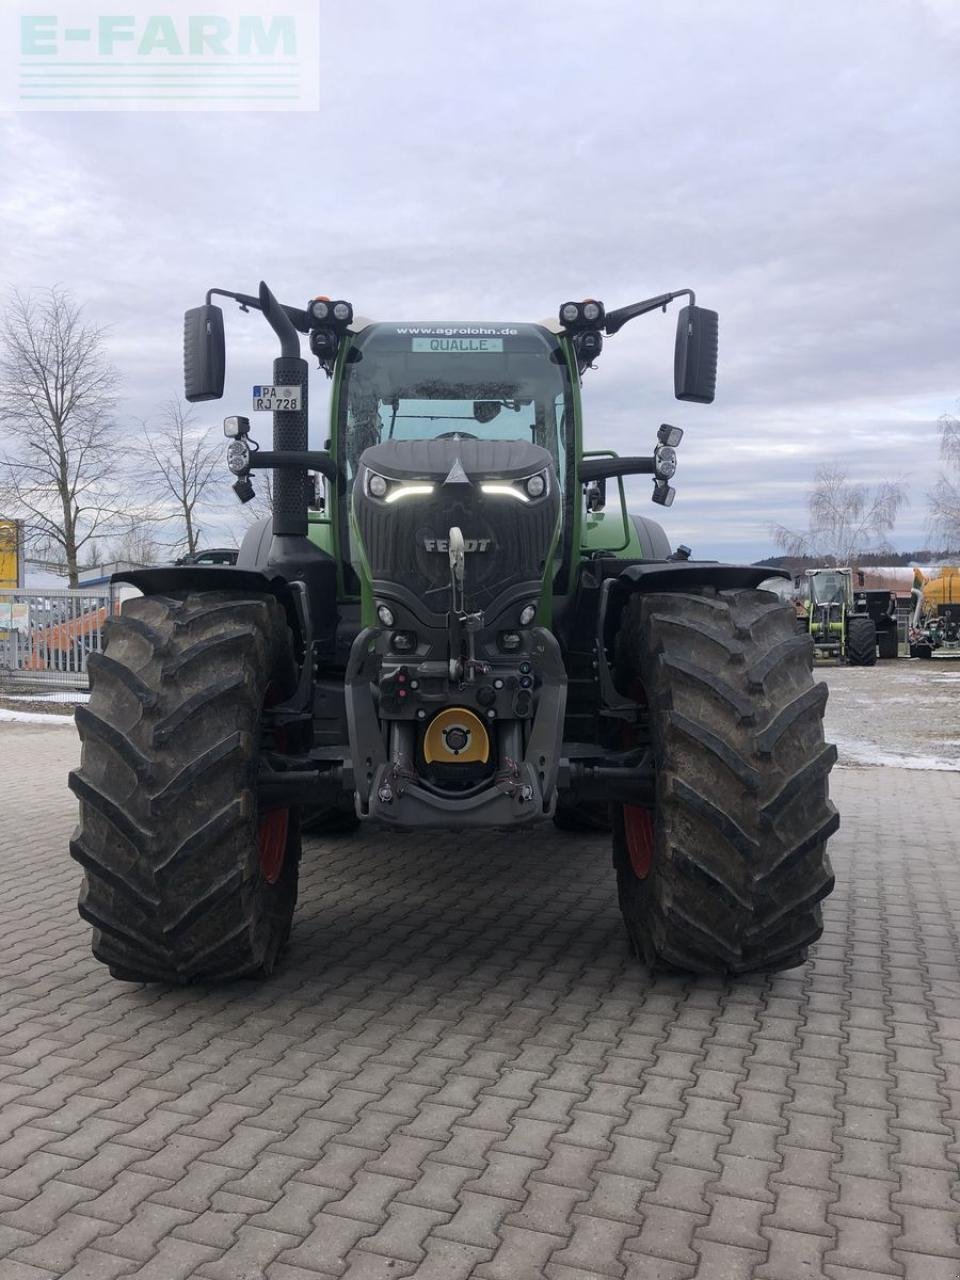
(268, 399)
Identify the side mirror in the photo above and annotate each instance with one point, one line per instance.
(695, 355)
(204, 354)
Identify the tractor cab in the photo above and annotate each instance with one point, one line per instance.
(454, 426)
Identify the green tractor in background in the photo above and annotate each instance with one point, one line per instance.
(841, 624)
(448, 625)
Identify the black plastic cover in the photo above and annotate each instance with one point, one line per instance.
(695, 355)
(204, 354)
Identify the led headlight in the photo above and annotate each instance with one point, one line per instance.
(319, 309)
(238, 457)
(408, 491)
(385, 614)
(527, 614)
(376, 485)
(664, 461)
(536, 485)
(501, 489)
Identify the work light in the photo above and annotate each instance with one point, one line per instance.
(527, 614)
(385, 614)
(324, 343)
(233, 428)
(670, 435)
(342, 312)
(588, 345)
(593, 312)
(570, 313)
(238, 457)
(664, 462)
(319, 309)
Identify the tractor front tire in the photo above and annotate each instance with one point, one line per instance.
(726, 873)
(861, 642)
(185, 879)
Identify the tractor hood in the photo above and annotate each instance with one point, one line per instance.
(502, 495)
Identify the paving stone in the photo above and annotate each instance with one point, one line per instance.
(477, 1072)
(521, 1253)
(793, 1255)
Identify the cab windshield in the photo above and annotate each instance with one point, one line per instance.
(489, 382)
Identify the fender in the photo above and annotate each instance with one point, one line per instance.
(676, 575)
(198, 577)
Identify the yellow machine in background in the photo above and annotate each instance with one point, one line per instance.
(941, 590)
(11, 560)
(936, 618)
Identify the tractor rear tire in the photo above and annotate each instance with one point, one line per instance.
(185, 880)
(861, 642)
(888, 643)
(726, 873)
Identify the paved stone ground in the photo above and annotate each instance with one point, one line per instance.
(460, 1072)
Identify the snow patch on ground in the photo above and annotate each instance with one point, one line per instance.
(69, 696)
(33, 717)
(865, 753)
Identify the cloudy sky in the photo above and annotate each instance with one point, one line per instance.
(795, 164)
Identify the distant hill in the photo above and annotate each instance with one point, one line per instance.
(889, 559)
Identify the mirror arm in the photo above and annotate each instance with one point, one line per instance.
(605, 468)
(292, 459)
(296, 316)
(617, 319)
(280, 323)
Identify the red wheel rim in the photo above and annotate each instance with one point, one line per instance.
(273, 843)
(638, 829)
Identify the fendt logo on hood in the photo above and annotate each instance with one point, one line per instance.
(469, 544)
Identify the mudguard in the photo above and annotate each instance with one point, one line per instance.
(199, 577)
(175, 578)
(674, 575)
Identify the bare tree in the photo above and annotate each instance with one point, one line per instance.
(847, 520)
(945, 498)
(137, 545)
(185, 464)
(58, 470)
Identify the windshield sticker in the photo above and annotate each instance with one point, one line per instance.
(467, 346)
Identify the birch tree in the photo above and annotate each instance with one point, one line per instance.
(846, 520)
(58, 437)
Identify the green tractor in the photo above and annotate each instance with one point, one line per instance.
(841, 625)
(448, 625)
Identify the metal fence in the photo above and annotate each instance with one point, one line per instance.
(47, 636)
